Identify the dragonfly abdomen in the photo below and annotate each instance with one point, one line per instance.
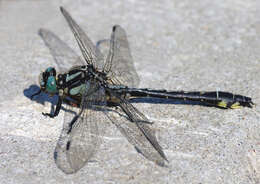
(213, 98)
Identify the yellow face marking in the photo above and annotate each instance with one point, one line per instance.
(222, 104)
(235, 105)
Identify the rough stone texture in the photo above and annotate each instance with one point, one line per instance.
(177, 45)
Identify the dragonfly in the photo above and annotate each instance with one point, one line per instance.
(91, 87)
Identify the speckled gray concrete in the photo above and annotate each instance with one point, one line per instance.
(189, 45)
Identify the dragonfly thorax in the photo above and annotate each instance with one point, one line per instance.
(74, 82)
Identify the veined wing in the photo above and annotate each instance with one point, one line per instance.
(119, 63)
(91, 54)
(64, 56)
(82, 131)
(140, 134)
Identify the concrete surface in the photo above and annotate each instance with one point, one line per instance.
(177, 45)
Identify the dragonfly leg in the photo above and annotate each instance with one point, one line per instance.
(57, 109)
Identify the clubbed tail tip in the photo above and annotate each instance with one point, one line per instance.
(248, 103)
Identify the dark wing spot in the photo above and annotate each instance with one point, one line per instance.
(55, 155)
(138, 150)
(114, 28)
(68, 145)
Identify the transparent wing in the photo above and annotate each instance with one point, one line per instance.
(119, 61)
(63, 55)
(140, 134)
(80, 140)
(91, 54)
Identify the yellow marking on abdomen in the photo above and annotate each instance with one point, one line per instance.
(235, 105)
(222, 104)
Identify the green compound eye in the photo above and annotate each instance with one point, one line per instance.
(51, 86)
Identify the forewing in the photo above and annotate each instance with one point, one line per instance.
(140, 134)
(79, 141)
(91, 54)
(63, 55)
(119, 62)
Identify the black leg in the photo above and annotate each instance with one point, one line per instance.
(57, 109)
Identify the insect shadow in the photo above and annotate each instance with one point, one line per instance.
(42, 97)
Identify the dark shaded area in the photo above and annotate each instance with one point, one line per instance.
(41, 98)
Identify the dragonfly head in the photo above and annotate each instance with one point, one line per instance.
(47, 81)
